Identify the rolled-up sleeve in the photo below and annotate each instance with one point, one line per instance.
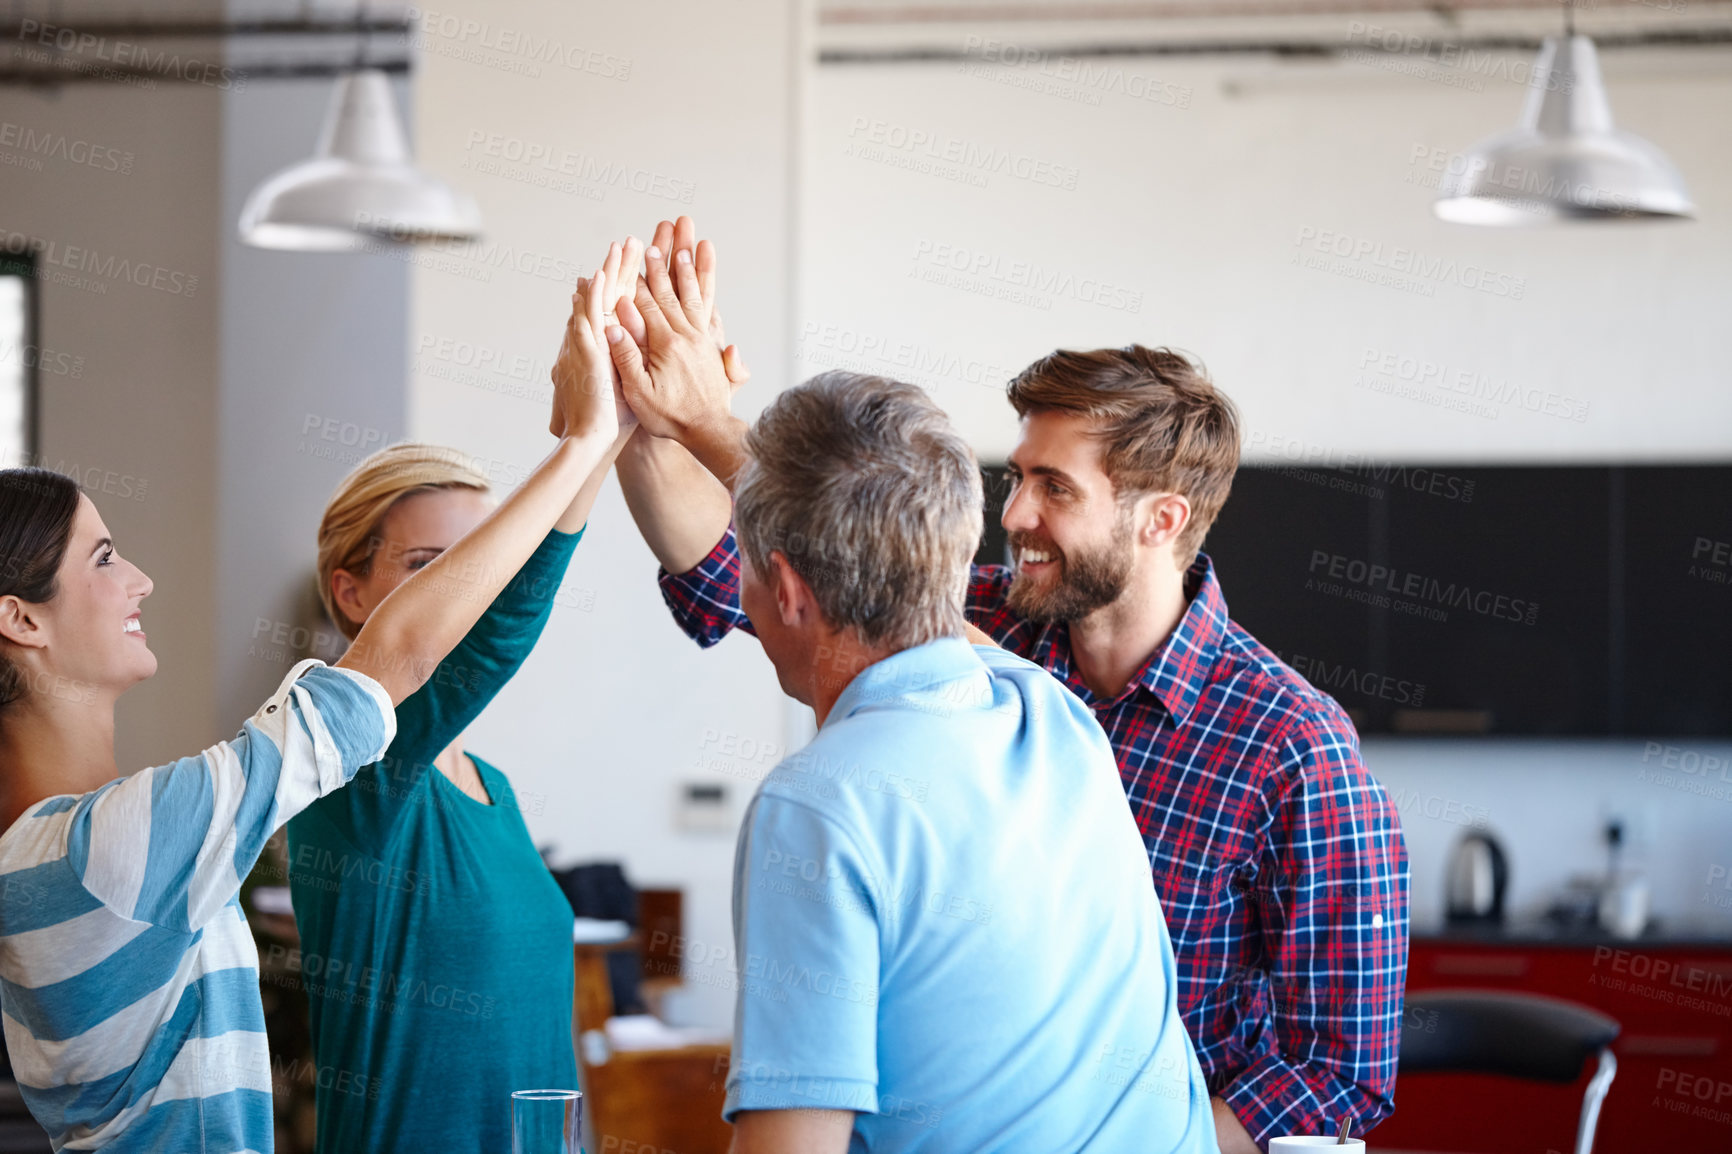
(1333, 908)
(705, 600)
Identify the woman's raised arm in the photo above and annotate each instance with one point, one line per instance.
(424, 618)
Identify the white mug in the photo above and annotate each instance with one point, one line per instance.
(1624, 907)
(1293, 1144)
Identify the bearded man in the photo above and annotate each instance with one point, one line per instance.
(1278, 859)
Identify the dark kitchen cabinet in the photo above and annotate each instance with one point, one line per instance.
(1289, 585)
(1501, 605)
(1531, 600)
(1676, 675)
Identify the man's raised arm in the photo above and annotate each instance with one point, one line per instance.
(676, 382)
(679, 506)
(674, 470)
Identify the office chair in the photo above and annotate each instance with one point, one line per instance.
(1516, 1035)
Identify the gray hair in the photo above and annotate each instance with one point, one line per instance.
(862, 484)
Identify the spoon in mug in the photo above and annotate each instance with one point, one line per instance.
(1346, 1125)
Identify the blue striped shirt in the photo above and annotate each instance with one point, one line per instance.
(128, 976)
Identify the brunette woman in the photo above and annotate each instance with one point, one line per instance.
(128, 975)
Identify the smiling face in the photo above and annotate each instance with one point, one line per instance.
(415, 530)
(90, 635)
(1071, 537)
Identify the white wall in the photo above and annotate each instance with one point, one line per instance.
(1547, 803)
(314, 378)
(690, 106)
(1197, 209)
(1201, 210)
(1193, 206)
(134, 413)
(182, 370)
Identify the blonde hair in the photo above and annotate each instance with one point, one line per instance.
(349, 532)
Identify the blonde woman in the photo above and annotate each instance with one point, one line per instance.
(128, 975)
(431, 931)
(435, 945)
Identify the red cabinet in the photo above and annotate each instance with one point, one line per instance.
(1673, 1091)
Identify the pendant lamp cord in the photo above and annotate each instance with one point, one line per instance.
(360, 34)
(1569, 18)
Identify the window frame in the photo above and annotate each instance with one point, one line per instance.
(23, 266)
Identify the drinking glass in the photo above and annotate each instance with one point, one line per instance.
(546, 1121)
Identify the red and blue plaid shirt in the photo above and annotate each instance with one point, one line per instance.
(1278, 858)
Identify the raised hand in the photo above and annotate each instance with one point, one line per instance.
(732, 363)
(672, 236)
(586, 396)
(685, 236)
(675, 382)
(625, 283)
(583, 372)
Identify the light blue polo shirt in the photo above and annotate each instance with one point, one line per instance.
(944, 921)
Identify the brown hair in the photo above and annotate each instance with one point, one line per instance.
(1166, 427)
(867, 490)
(37, 511)
(349, 532)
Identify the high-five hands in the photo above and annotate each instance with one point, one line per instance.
(670, 368)
(678, 492)
(654, 347)
(671, 236)
(586, 389)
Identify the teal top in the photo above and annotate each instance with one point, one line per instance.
(435, 945)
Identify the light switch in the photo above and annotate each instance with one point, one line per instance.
(704, 808)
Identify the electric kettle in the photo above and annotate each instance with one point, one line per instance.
(1478, 874)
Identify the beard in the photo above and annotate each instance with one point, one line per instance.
(1088, 578)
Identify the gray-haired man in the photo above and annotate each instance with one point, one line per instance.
(943, 922)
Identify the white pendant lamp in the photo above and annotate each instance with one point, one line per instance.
(1565, 161)
(360, 188)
